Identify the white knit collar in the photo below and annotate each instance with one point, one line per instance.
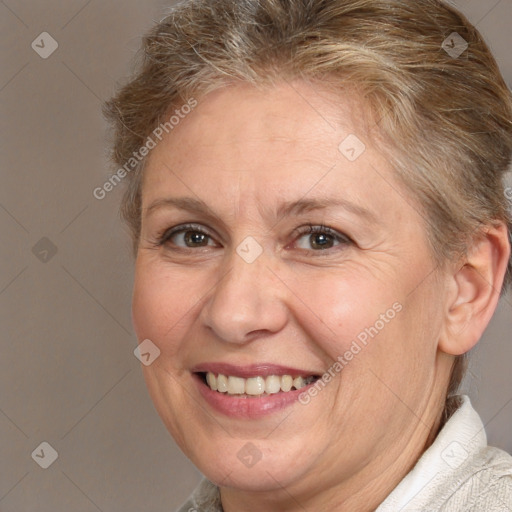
(462, 437)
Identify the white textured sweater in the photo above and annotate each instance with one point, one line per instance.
(457, 473)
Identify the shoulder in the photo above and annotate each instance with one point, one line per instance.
(484, 483)
(205, 498)
(459, 471)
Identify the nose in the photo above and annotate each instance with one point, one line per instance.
(247, 303)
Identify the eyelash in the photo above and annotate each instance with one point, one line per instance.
(309, 229)
(167, 234)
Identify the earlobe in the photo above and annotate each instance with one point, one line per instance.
(474, 290)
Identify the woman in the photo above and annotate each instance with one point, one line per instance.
(315, 192)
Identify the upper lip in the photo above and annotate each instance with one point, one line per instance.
(251, 370)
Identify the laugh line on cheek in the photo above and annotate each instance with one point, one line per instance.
(255, 392)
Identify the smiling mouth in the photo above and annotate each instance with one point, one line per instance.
(254, 386)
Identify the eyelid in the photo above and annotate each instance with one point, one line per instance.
(342, 240)
(164, 236)
(319, 228)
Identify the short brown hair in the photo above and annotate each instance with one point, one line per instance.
(446, 118)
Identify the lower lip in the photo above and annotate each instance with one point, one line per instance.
(250, 407)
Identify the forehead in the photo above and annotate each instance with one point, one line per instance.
(295, 114)
(278, 144)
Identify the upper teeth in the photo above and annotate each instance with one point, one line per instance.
(255, 385)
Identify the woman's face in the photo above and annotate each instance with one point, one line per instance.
(274, 245)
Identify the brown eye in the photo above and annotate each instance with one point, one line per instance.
(321, 241)
(320, 238)
(195, 239)
(187, 237)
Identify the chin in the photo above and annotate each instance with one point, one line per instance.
(259, 478)
(239, 464)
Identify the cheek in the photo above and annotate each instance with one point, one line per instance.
(147, 312)
(161, 303)
(341, 309)
(376, 327)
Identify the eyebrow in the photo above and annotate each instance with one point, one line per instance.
(286, 209)
(306, 205)
(181, 203)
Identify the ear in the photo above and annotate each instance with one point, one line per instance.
(474, 289)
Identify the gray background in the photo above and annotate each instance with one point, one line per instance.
(68, 375)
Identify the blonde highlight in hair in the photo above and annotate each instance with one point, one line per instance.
(446, 122)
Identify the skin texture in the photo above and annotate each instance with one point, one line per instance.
(244, 152)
